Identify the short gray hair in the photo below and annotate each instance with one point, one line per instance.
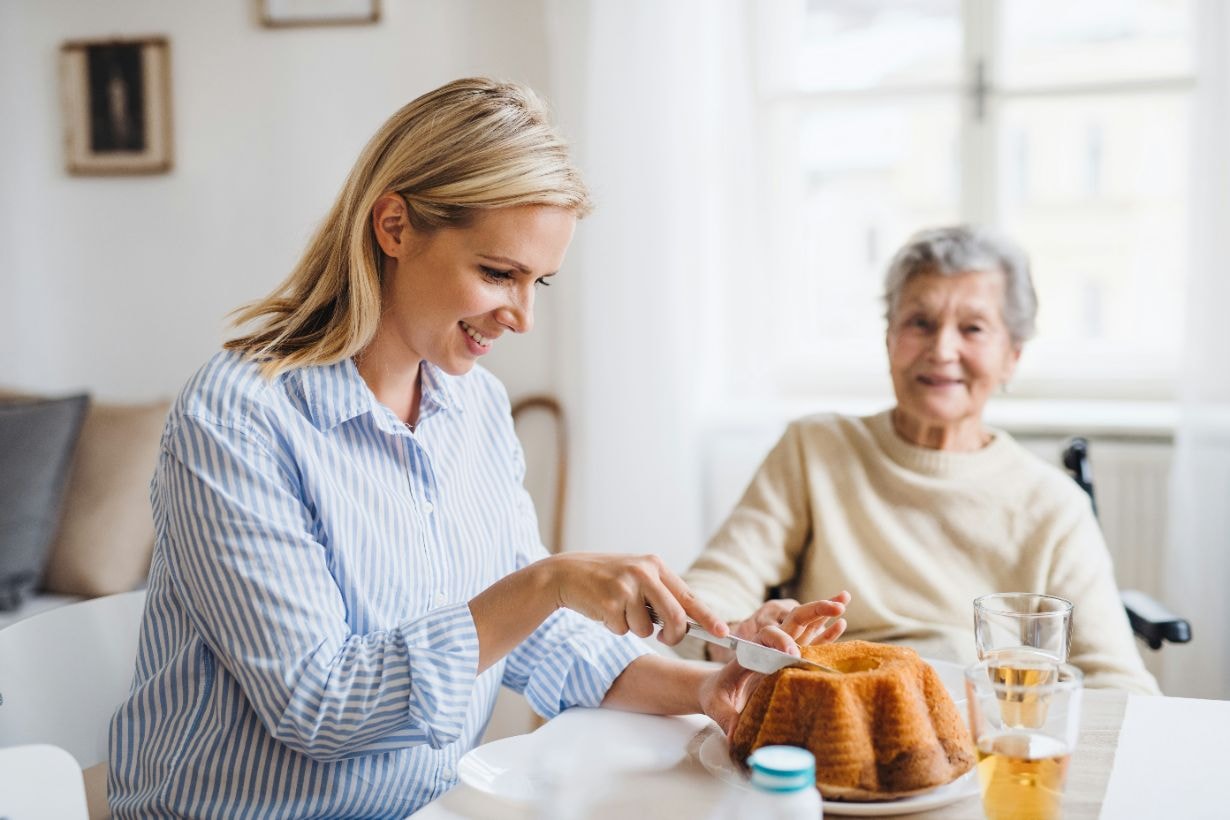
(961, 249)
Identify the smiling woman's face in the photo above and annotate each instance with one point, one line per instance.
(948, 350)
(451, 293)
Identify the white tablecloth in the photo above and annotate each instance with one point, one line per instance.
(1169, 761)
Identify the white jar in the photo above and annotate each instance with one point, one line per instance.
(783, 787)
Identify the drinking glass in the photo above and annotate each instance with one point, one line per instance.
(1024, 734)
(1027, 626)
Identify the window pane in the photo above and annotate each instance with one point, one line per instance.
(867, 175)
(825, 45)
(1095, 187)
(1059, 42)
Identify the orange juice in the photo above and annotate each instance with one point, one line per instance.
(1022, 775)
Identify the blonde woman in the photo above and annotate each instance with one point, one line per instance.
(347, 566)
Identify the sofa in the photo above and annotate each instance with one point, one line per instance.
(75, 519)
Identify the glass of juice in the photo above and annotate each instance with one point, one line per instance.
(1024, 730)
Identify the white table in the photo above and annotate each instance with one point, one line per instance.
(1171, 761)
(1139, 757)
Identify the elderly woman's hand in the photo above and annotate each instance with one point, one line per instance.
(725, 692)
(785, 624)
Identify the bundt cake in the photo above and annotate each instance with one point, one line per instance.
(883, 729)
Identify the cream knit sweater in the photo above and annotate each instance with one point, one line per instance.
(915, 535)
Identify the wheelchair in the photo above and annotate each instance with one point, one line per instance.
(1151, 621)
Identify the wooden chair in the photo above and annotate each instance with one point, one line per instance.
(522, 408)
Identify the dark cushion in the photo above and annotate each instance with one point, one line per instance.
(37, 439)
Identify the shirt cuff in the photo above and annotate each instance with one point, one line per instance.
(442, 651)
(577, 666)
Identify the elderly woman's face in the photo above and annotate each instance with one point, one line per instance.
(949, 349)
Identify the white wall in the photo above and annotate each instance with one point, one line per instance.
(120, 286)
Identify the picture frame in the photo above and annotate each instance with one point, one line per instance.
(287, 13)
(116, 96)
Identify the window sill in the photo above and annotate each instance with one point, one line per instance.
(1101, 418)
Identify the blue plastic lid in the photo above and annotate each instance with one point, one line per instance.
(782, 768)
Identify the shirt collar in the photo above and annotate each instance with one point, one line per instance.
(335, 393)
(439, 391)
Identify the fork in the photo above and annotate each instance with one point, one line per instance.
(750, 655)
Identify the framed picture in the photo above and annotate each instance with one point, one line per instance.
(117, 105)
(277, 13)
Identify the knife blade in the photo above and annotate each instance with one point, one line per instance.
(750, 655)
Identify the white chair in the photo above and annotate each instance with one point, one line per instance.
(62, 675)
(40, 782)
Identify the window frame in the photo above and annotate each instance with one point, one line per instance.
(1048, 371)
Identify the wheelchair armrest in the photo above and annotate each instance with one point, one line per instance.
(1152, 621)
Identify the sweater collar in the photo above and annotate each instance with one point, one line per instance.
(940, 463)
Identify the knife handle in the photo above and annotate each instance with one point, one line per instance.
(705, 635)
(695, 629)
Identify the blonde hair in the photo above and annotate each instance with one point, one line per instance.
(472, 145)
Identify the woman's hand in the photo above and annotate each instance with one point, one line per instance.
(785, 624)
(614, 589)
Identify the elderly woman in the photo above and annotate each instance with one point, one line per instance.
(919, 509)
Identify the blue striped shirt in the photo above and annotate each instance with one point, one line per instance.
(307, 649)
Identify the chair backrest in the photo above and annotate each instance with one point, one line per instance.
(64, 672)
(1151, 621)
(40, 782)
(551, 406)
(1076, 462)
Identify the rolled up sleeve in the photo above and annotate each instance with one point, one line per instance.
(569, 661)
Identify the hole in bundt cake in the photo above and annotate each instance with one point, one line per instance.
(858, 664)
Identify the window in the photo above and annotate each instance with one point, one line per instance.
(1065, 125)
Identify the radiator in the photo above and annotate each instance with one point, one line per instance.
(1131, 479)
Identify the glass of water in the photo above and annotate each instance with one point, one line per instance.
(1028, 626)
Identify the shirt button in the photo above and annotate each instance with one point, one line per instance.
(439, 599)
(428, 507)
(446, 773)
